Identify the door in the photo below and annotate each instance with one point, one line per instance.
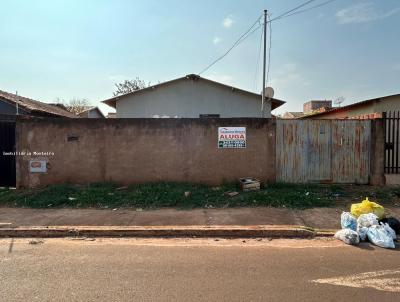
(7, 160)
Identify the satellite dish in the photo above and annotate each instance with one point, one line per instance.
(269, 92)
(339, 101)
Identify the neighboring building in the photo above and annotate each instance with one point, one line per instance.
(92, 112)
(10, 103)
(316, 105)
(292, 115)
(310, 107)
(372, 108)
(191, 97)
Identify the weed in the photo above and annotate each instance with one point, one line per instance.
(163, 195)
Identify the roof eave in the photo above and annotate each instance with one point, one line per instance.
(111, 102)
(52, 113)
(357, 104)
(31, 110)
(275, 103)
(11, 102)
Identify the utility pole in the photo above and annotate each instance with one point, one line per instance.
(264, 63)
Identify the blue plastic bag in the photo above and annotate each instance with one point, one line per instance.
(348, 221)
(362, 232)
(348, 236)
(380, 237)
(389, 230)
(367, 220)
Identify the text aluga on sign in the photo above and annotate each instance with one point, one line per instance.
(231, 137)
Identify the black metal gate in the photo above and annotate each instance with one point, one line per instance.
(7, 148)
(391, 122)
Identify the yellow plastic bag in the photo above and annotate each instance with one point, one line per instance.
(366, 207)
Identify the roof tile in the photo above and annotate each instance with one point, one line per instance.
(33, 105)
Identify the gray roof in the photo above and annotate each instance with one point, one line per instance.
(33, 105)
(275, 103)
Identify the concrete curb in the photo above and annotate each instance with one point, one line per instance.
(231, 231)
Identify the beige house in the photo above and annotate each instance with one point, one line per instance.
(317, 106)
(311, 107)
(292, 115)
(191, 97)
(372, 108)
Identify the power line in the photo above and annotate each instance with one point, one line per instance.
(258, 61)
(285, 15)
(250, 31)
(238, 41)
(249, 34)
(304, 10)
(292, 10)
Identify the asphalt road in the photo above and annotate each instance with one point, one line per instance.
(196, 270)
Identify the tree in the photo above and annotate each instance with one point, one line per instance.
(77, 105)
(128, 86)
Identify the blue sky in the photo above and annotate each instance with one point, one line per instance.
(67, 49)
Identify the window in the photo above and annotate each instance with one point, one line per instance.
(209, 116)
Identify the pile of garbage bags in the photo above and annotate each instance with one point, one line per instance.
(366, 221)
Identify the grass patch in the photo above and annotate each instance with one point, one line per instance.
(162, 195)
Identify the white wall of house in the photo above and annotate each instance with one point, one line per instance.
(94, 113)
(188, 99)
(387, 104)
(91, 113)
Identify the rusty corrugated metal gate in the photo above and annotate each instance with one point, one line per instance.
(325, 151)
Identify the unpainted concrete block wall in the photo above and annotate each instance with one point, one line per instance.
(377, 177)
(130, 151)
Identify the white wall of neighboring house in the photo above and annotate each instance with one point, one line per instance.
(189, 99)
(92, 113)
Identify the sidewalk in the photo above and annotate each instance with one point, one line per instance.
(320, 218)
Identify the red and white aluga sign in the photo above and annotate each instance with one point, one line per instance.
(231, 137)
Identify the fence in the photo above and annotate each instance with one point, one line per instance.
(391, 129)
(331, 151)
(186, 150)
